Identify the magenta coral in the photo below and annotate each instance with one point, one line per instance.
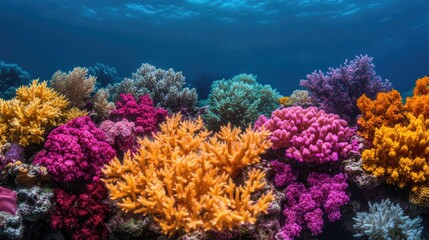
(7, 200)
(120, 134)
(305, 205)
(84, 215)
(75, 151)
(309, 135)
(143, 113)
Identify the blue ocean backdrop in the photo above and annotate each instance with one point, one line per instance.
(280, 41)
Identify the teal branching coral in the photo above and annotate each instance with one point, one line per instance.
(239, 101)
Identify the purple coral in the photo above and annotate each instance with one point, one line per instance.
(75, 151)
(309, 135)
(338, 90)
(14, 152)
(305, 205)
(145, 116)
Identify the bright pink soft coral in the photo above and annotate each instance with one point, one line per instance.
(306, 204)
(7, 200)
(83, 215)
(75, 151)
(145, 116)
(309, 135)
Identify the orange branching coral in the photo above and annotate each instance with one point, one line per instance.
(385, 110)
(35, 109)
(418, 103)
(285, 101)
(400, 154)
(184, 177)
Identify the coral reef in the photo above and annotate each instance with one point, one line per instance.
(9, 153)
(238, 101)
(75, 85)
(104, 74)
(35, 110)
(399, 154)
(83, 215)
(297, 98)
(309, 135)
(11, 227)
(11, 77)
(34, 203)
(185, 179)
(26, 175)
(75, 151)
(385, 110)
(165, 88)
(386, 220)
(143, 114)
(338, 89)
(418, 103)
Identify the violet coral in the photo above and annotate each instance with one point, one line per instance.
(338, 89)
(309, 135)
(184, 177)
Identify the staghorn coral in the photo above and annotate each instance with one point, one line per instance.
(185, 179)
(338, 89)
(74, 85)
(418, 103)
(309, 135)
(36, 109)
(165, 88)
(385, 110)
(238, 101)
(386, 220)
(75, 151)
(400, 154)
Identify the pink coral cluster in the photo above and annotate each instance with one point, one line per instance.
(120, 134)
(309, 135)
(306, 205)
(145, 116)
(84, 215)
(75, 151)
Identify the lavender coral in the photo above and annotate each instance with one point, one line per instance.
(121, 135)
(165, 88)
(309, 135)
(306, 204)
(75, 151)
(338, 89)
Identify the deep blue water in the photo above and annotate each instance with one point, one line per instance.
(280, 41)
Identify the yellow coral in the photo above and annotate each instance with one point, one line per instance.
(420, 196)
(286, 101)
(25, 118)
(418, 103)
(400, 154)
(385, 110)
(73, 113)
(184, 177)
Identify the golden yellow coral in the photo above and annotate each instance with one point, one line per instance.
(25, 118)
(420, 196)
(73, 113)
(385, 110)
(286, 101)
(184, 177)
(418, 103)
(400, 154)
